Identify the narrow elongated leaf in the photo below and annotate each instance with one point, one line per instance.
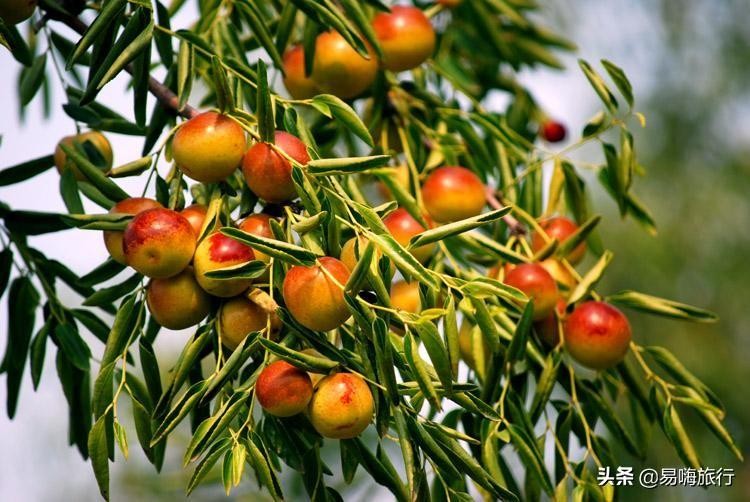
(592, 277)
(94, 174)
(661, 306)
(455, 228)
(346, 165)
(284, 251)
(108, 16)
(26, 170)
(333, 107)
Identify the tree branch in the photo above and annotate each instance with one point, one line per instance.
(515, 226)
(161, 92)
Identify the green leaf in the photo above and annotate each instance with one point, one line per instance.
(306, 362)
(430, 338)
(122, 327)
(10, 38)
(95, 175)
(592, 277)
(222, 87)
(37, 352)
(23, 300)
(99, 453)
(132, 168)
(184, 405)
(106, 296)
(455, 228)
(620, 79)
(73, 345)
(531, 457)
(661, 306)
(599, 86)
(261, 32)
(69, 192)
(108, 16)
(205, 465)
(105, 221)
(135, 38)
(346, 165)
(264, 106)
(258, 460)
(34, 222)
(403, 259)
(577, 237)
(521, 335)
(32, 78)
(25, 170)
(248, 270)
(419, 368)
(284, 251)
(333, 107)
(676, 433)
(185, 72)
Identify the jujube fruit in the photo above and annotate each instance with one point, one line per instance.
(402, 226)
(299, 85)
(113, 238)
(537, 284)
(342, 406)
(95, 138)
(548, 329)
(313, 298)
(453, 193)
(268, 173)
(405, 296)
(196, 215)
(340, 70)
(553, 131)
(283, 390)
(158, 243)
(406, 37)
(209, 147)
(559, 228)
(239, 316)
(217, 251)
(177, 302)
(258, 224)
(352, 251)
(597, 335)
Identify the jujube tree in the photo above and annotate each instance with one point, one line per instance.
(364, 246)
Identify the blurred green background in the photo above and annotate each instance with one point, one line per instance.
(687, 60)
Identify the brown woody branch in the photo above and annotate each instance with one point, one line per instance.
(513, 224)
(161, 92)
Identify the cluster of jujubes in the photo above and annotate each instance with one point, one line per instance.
(405, 35)
(339, 405)
(596, 334)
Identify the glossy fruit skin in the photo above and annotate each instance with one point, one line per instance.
(548, 328)
(405, 296)
(299, 85)
(406, 37)
(97, 139)
(597, 335)
(453, 193)
(352, 250)
(209, 147)
(177, 302)
(313, 298)
(402, 226)
(217, 251)
(283, 390)
(338, 69)
(196, 215)
(238, 317)
(537, 284)
(268, 173)
(158, 243)
(113, 238)
(342, 406)
(560, 228)
(258, 224)
(553, 131)
(16, 11)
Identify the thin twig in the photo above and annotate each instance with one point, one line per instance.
(515, 226)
